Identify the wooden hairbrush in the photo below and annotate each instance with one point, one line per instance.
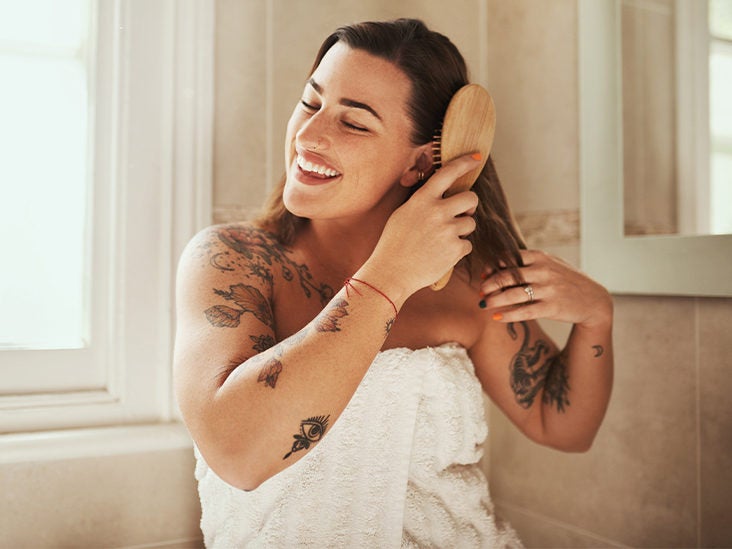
(468, 127)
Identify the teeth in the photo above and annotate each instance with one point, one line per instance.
(314, 168)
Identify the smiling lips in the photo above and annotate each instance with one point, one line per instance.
(316, 170)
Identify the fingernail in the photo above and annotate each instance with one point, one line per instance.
(497, 316)
(481, 293)
(483, 276)
(476, 156)
(482, 304)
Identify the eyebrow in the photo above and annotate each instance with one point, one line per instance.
(347, 102)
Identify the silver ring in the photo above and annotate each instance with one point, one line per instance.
(530, 292)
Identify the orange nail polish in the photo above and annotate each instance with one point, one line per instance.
(476, 156)
(497, 316)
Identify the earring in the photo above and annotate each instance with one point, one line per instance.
(420, 176)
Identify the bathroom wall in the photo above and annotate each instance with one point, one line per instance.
(661, 466)
(660, 471)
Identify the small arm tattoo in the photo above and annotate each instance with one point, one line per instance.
(328, 320)
(311, 431)
(599, 350)
(269, 372)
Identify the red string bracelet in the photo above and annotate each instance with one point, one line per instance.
(348, 285)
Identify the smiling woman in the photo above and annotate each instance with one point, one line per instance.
(354, 127)
(334, 398)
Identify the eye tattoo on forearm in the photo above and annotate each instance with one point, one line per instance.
(533, 368)
(311, 431)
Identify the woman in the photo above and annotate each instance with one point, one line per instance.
(332, 413)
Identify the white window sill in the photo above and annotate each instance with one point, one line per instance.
(95, 442)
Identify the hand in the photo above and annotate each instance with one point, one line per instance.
(424, 238)
(559, 291)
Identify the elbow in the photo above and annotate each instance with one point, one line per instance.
(235, 467)
(579, 447)
(244, 462)
(578, 444)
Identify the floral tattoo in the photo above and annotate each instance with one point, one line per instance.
(533, 368)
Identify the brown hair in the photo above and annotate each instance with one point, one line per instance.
(436, 70)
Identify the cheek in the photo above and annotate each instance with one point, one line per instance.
(292, 126)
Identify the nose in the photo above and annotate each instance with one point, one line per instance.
(313, 134)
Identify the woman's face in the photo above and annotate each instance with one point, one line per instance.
(348, 148)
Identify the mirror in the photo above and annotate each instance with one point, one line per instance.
(676, 59)
(655, 264)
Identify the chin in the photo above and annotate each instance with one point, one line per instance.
(297, 204)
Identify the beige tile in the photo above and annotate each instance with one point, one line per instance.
(102, 502)
(637, 486)
(536, 531)
(532, 74)
(550, 228)
(715, 388)
(240, 120)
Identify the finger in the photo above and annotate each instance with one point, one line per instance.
(503, 280)
(465, 225)
(461, 203)
(534, 311)
(444, 177)
(515, 297)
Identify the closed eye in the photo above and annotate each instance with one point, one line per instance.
(308, 106)
(354, 127)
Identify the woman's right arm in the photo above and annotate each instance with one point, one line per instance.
(255, 405)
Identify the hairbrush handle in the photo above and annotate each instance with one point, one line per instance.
(469, 126)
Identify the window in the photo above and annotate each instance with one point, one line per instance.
(720, 115)
(108, 175)
(44, 109)
(704, 116)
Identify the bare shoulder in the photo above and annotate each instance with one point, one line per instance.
(240, 248)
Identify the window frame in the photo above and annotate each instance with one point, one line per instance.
(152, 122)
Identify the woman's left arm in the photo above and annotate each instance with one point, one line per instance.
(557, 398)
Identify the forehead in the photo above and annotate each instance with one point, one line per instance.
(356, 74)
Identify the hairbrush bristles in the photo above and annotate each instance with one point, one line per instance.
(437, 148)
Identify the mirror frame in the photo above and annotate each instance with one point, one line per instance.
(649, 265)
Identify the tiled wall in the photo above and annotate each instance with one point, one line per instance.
(661, 467)
(660, 472)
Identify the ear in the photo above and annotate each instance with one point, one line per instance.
(422, 163)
